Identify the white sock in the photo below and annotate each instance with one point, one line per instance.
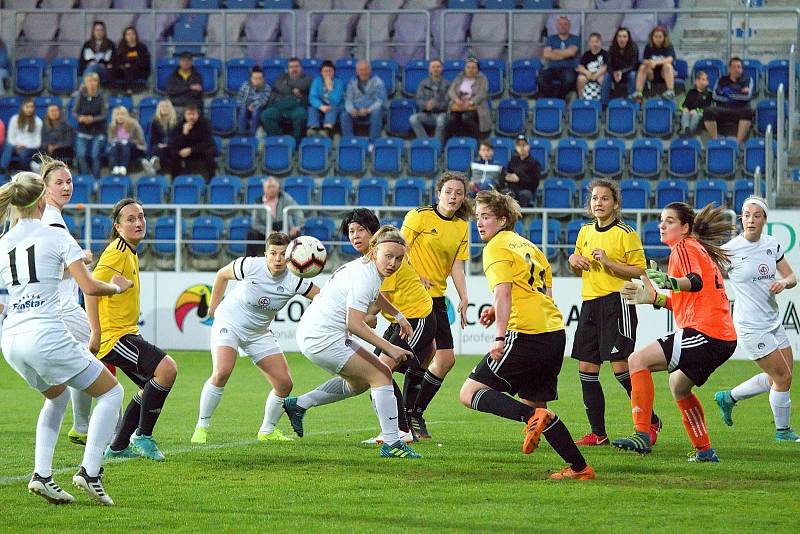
(81, 407)
(273, 410)
(47, 429)
(781, 403)
(335, 389)
(102, 426)
(751, 387)
(209, 400)
(386, 407)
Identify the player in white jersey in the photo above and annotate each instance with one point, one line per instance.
(758, 272)
(37, 344)
(338, 313)
(242, 321)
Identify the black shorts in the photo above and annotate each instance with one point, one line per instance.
(529, 367)
(136, 358)
(419, 343)
(695, 353)
(444, 336)
(606, 330)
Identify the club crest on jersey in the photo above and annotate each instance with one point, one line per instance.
(263, 302)
(769, 252)
(763, 273)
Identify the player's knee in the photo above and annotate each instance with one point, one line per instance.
(283, 387)
(219, 377)
(782, 378)
(167, 371)
(466, 395)
(636, 362)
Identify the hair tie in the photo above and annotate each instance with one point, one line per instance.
(32, 204)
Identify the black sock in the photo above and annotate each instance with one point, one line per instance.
(624, 379)
(560, 439)
(411, 386)
(430, 386)
(130, 420)
(594, 401)
(153, 398)
(402, 422)
(491, 401)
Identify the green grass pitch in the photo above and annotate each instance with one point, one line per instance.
(478, 480)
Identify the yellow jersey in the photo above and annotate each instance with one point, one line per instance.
(510, 258)
(621, 244)
(119, 314)
(435, 242)
(404, 289)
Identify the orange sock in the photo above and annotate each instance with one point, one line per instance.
(695, 422)
(642, 396)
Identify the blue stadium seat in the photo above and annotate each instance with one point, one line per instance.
(621, 117)
(651, 239)
(238, 227)
(710, 192)
(635, 193)
(684, 157)
(278, 154)
(682, 74)
(274, 67)
(41, 103)
(241, 155)
(755, 155)
(668, 191)
(476, 249)
(147, 109)
(335, 191)
(452, 68)
(188, 189)
(9, 106)
(721, 157)
(646, 157)
(609, 157)
(345, 69)
(314, 155)
(237, 72)
(113, 188)
(535, 235)
(351, 155)
(547, 116)
(209, 68)
(512, 116)
(62, 76)
(585, 190)
(400, 111)
(658, 116)
(755, 69)
(540, 151)
(495, 72)
(767, 113)
(119, 100)
(559, 192)
(311, 66)
(423, 156)
(386, 70)
(209, 229)
(396, 222)
(796, 175)
(278, 4)
(188, 33)
(503, 149)
(29, 76)
(222, 112)
(254, 190)
(571, 157)
(151, 189)
(101, 231)
(83, 186)
(387, 156)
(573, 228)
(584, 117)
(164, 234)
(372, 191)
(323, 228)
(714, 68)
(777, 72)
(72, 226)
(224, 190)
(523, 76)
(742, 189)
(164, 68)
(409, 192)
(459, 153)
(414, 72)
(300, 188)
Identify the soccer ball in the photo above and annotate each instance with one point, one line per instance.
(306, 256)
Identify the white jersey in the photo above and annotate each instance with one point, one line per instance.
(259, 296)
(356, 285)
(68, 288)
(752, 271)
(32, 262)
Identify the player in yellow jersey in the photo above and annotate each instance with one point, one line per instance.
(528, 350)
(116, 340)
(608, 253)
(437, 239)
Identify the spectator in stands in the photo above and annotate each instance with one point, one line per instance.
(126, 140)
(561, 52)
(90, 111)
(432, 103)
(251, 100)
(694, 103)
(164, 122)
(185, 84)
(5, 68)
(364, 101)
(289, 101)
(58, 137)
(592, 69)
(24, 137)
(657, 63)
(274, 200)
(522, 174)
(131, 62)
(624, 62)
(469, 107)
(97, 53)
(485, 172)
(191, 145)
(325, 99)
(732, 95)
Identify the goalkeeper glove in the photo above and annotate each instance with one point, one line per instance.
(661, 279)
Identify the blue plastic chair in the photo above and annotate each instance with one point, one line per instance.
(111, 189)
(188, 189)
(311, 66)
(414, 72)
(237, 72)
(300, 188)
(278, 154)
(714, 68)
(658, 117)
(372, 192)
(553, 236)
(147, 110)
(224, 189)
(210, 229)
(29, 76)
(241, 155)
(323, 228)
(164, 234)
(609, 157)
(409, 192)
(512, 116)
(9, 106)
(548, 116)
(151, 189)
(540, 151)
(503, 149)
(635, 193)
(559, 192)
(62, 76)
(386, 70)
(495, 71)
(400, 111)
(209, 68)
(345, 69)
(41, 103)
(721, 157)
(351, 155)
(238, 228)
(314, 155)
(336, 191)
(766, 114)
(222, 112)
(273, 68)
(621, 117)
(668, 191)
(452, 68)
(651, 239)
(743, 188)
(584, 117)
(684, 157)
(254, 190)
(101, 232)
(523, 76)
(777, 72)
(164, 68)
(755, 155)
(646, 157)
(387, 156)
(710, 192)
(423, 156)
(459, 153)
(571, 157)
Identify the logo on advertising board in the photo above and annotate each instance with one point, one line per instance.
(194, 298)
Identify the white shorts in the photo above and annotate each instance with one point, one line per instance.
(49, 357)
(760, 344)
(78, 325)
(331, 357)
(255, 347)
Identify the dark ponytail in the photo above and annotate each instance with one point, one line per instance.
(710, 227)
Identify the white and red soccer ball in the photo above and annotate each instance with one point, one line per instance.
(306, 256)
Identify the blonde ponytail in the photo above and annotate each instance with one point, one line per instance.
(18, 198)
